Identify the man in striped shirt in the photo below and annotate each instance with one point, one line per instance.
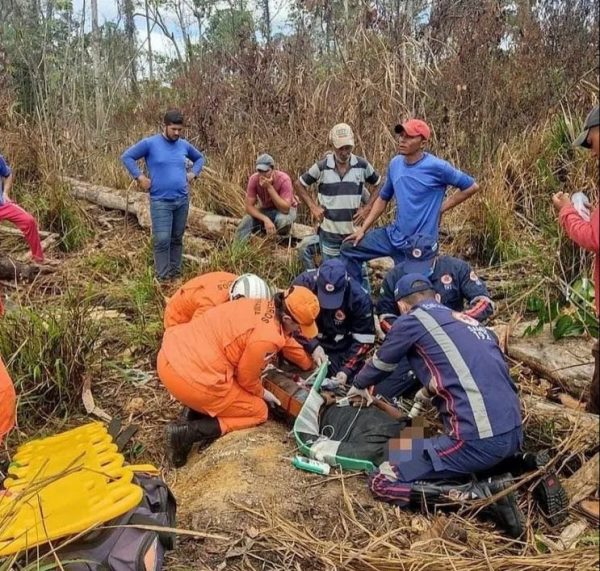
(340, 177)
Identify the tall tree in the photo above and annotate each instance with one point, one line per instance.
(130, 32)
(96, 58)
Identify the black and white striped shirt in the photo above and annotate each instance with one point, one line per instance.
(340, 197)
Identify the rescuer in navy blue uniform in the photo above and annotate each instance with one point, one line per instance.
(345, 322)
(469, 384)
(452, 279)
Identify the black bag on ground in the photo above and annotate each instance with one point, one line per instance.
(128, 548)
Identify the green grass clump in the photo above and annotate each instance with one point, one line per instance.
(49, 352)
(256, 257)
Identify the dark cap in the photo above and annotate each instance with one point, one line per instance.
(264, 163)
(409, 284)
(331, 284)
(420, 252)
(592, 120)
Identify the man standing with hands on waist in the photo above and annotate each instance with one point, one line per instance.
(165, 155)
(418, 180)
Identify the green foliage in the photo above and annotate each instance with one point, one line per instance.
(51, 349)
(255, 256)
(570, 319)
(229, 27)
(57, 211)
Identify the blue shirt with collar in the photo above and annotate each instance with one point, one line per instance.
(419, 189)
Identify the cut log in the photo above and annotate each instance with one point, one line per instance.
(200, 222)
(567, 363)
(584, 482)
(541, 412)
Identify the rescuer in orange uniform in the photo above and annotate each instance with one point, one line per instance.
(8, 400)
(213, 364)
(210, 290)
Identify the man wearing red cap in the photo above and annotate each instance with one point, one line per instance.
(418, 180)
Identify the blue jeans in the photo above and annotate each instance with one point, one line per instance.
(375, 244)
(249, 225)
(169, 218)
(310, 248)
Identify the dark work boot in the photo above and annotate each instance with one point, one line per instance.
(505, 511)
(188, 414)
(181, 436)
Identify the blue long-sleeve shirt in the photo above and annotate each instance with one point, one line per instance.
(166, 163)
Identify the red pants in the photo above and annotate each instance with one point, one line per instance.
(237, 408)
(26, 223)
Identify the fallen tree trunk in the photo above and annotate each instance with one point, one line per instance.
(584, 482)
(543, 412)
(566, 363)
(13, 270)
(200, 222)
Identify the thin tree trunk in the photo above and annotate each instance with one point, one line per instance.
(267, 20)
(131, 45)
(150, 57)
(96, 46)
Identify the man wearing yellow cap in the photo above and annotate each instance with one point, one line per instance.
(340, 178)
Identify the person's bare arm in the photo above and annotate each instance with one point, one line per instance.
(8, 184)
(459, 197)
(256, 213)
(280, 203)
(377, 210)
(316, 210)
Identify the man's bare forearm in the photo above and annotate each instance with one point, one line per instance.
(377, 210)
(280, 203)
(459, 197)
(305, 196)
(7, 184)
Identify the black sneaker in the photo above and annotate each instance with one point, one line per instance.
(505, 511)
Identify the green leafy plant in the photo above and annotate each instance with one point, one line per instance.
(571, 318)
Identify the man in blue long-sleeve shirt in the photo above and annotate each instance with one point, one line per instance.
(166, 155)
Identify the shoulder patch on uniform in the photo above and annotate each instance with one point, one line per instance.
(474, 277)
(446, 279)
(340, 315)
(416, 253)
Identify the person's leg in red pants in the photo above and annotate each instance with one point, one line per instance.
(25, 222)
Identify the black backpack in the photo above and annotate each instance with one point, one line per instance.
(116, 548)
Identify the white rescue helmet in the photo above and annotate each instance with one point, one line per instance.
(250, 286)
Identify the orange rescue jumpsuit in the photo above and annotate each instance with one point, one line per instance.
(198, 295)
(213, 363)
(8, 400)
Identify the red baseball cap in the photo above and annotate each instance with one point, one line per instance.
(414, 127)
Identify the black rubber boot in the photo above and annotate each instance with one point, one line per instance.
(505, 511)
(181, 436)
(187, 414)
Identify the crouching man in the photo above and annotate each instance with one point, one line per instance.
(345, 320)
(213, 364)
(471, 389)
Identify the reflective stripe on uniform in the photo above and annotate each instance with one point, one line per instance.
(465, 378)
(364, 338)
(382, 365)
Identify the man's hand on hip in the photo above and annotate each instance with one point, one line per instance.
(144, 182)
